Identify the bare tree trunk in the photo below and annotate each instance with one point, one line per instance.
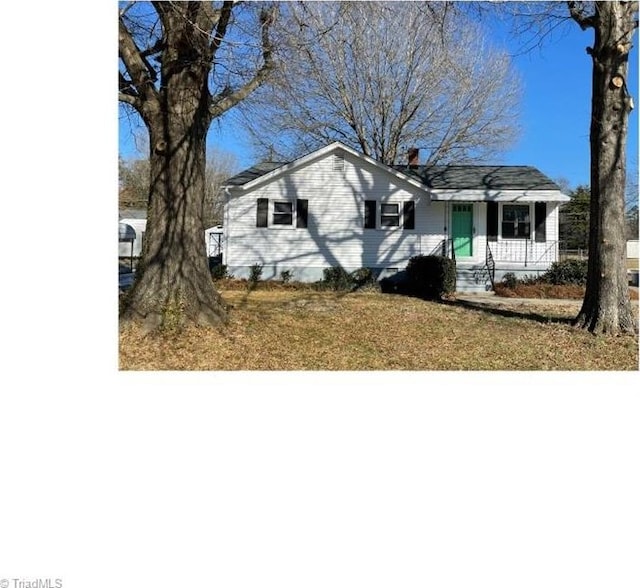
(606, 308)
(174, 282)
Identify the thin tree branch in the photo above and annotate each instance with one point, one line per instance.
(126, 8)
(137, 67)
(226, 100)
(224, 17)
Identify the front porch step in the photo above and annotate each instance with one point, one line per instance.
(473, 279)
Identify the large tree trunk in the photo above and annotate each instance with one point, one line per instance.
(173, 283)
(606, 307)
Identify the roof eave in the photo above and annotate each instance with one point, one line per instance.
(480, 195)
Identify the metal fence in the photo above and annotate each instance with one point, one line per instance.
(573, 254)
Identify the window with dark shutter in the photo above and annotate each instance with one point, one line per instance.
(262, 218)
(409, 215)
(541, 221)
(302, 211)
(370, 214)
(492, 221)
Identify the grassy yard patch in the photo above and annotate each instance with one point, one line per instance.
(313, 330)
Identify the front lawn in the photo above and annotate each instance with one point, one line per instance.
(284, 329)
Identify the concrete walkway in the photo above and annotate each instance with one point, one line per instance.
(491, 300)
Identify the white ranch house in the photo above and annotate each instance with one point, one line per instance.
(337, 207)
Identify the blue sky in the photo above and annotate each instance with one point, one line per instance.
(555, 111)
(556, 107)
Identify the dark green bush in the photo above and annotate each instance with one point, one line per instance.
(509, 280)
(336, 278)
(431, 276)
(569, 271)
(285, 276)
(219, 272)
(255, 273)
(364, 277)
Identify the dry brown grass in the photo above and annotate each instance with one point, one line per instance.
(287, 329)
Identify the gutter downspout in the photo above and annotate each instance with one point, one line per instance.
(446, 225)
(226, 227)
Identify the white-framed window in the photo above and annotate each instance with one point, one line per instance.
(516, 221)
(390, 215)
(282, 212)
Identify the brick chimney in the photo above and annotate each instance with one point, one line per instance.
(413, 156)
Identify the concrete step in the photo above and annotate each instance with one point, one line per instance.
(473, 288)
(474, 279)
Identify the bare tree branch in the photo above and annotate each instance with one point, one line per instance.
(577, 11)
(223, 17)
(381, 77)
(137, 67)
(229, 98)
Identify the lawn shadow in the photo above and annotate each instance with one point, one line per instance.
(507, 313)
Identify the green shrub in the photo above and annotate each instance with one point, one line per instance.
(339, 279)
(285, 276)
(431, 276)
(364, 277)
(255, 273)
(509, 280)
(219, 272)
(569, 271)
(336, 278)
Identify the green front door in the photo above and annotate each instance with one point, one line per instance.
(462, 229)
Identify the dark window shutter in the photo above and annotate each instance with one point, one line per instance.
(492, 221)
(541, 221)
(370, 214)
(409, 215)
(262, 219)
(302, 210)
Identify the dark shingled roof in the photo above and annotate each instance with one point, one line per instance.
(254, 172)
(480, 177)
(442, 177)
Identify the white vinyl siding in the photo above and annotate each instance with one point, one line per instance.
(335, 233)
